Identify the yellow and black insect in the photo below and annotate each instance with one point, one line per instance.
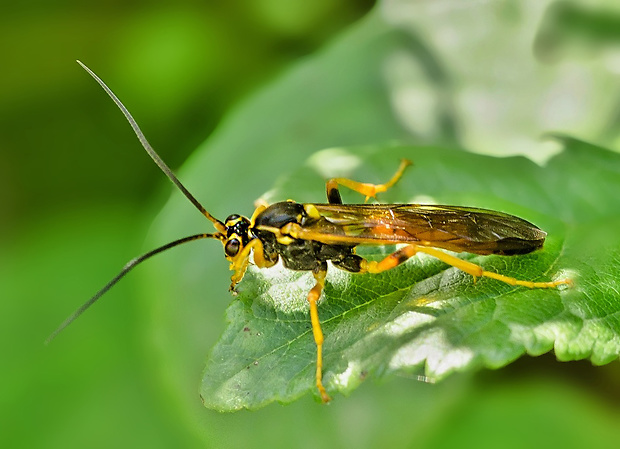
(307, 236)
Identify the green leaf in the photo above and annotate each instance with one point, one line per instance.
(425, 317)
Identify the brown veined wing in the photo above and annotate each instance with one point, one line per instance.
(455, 228)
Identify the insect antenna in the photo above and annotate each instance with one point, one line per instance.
(151, 152)
(126, 269)
(138, 260)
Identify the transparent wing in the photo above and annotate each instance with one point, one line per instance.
(455, 228)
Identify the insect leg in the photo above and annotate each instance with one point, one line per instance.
(366, 189)
(477, 271)
(400, 256)
(240, 263)
(391, 261)
(313, 298)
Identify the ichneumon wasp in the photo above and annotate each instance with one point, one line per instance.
(305, 236)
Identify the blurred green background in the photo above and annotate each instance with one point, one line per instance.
(77, 196)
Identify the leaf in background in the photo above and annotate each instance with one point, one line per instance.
(426, 317)
(506, 72)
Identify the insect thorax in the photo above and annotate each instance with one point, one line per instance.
(299, 254)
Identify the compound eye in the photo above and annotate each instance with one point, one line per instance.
(232, 247)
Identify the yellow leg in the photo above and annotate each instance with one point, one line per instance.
(476, 271)
(313, 298)
(391, 261)
(240, 263)
(366, 189)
